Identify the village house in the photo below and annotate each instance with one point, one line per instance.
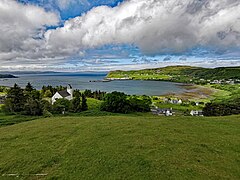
(196, 113)
(175, 101)
(223, 81)
(166, 111)
(66, 94)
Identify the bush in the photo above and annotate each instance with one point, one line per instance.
(47, 105)
(46, 113)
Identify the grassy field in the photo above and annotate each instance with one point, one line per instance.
(122, 147)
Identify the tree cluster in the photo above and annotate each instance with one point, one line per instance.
(49, 91)
(26, 101)
(94, 94)
(30, 101)
(222, 108)
(118, 102)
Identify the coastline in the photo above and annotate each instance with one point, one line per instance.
(194, 92)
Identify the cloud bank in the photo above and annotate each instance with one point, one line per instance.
(156, 27)
(166, 26)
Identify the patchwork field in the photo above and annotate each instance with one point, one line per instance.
(121, 147)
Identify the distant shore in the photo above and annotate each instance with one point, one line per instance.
(6, 76)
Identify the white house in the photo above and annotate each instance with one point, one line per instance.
(159, 111)
(175, 101)
(66, 94)
(196, 113)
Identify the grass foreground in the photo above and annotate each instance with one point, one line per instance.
(122, 147)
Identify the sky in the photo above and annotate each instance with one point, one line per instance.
(103, 35)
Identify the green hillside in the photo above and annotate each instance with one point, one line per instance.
(179, 73)
(121, 147)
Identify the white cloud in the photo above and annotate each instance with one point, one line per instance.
(21, 26)
(171, 26)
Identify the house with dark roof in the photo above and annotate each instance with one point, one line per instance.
(65, 94)
(165, 111)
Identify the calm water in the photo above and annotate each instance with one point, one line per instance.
(81, 81)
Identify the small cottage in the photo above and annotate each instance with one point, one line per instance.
(66, 94)
(196, 113)
(159, 111)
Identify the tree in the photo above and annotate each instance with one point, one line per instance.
(140, 105)
(75, 105)
(84, 103)
(48, 93)
(15, 100)
(61, 105)
(33, 107)
(35, 94)
(88, 93)
(29, 87)
(116, 102)
(46, 105)
(222, 108)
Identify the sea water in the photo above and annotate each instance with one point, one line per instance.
(81, 81)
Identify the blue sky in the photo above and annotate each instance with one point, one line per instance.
(72, 8)
(105, 35)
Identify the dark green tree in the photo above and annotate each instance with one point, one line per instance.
(61, 105)
(46, 105)
(48, 93)
(140, 104)
(84, 103)
(29, 87)
(88, 93)
(116, 102)
(15, 100)
(75, 105)
(33, 107)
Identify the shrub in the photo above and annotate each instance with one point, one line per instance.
(46, 113)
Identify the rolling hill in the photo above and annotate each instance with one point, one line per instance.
(121, 147)
(179, 74)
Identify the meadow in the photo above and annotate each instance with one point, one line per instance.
(121, 147)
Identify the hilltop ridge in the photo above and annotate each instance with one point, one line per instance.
(179, 74)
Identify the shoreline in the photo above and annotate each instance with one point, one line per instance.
(194, 92)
